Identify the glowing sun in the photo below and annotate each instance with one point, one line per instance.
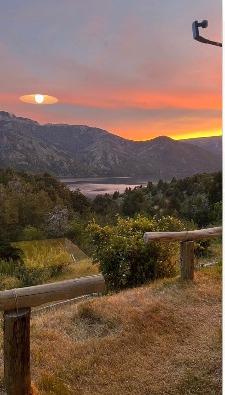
(37, 98)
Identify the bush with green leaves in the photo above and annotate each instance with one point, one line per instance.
(9, 269)
(9, 252)
(29, 275)
(203, 248)
(32, 233)
(31, 263)
(125, 259)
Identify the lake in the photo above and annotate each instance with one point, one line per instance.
(91, 187)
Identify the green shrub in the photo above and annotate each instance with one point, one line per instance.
(125, 259)
(32, 275)
(8, 252)
(7, 268)
(9, 282)
(78, 234)
(31, 272)
(202, 248)
(32, 233)
(9, 274)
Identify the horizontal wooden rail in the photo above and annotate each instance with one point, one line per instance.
(186, 238)
(188, 235)
(37, 295)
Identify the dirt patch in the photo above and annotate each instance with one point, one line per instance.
(89, 323)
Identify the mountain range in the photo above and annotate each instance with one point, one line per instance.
(83, 151)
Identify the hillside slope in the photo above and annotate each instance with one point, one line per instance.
(159, 339)
(77, 150)
(164, 158)
(22, 150)
(211, 144)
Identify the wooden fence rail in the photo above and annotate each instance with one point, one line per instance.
(187, 235)
(17, 304)
(186, 246)
(37, 295)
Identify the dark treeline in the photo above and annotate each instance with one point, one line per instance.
(197, 198)
(36, 206)
(39, 206)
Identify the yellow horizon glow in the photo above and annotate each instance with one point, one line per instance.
(199, 134)
(185, 136)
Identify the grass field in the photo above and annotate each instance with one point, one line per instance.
(47, 261)
(163, 338)
(39, 253)
(50, 252)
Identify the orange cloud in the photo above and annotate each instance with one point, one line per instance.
(142, 99)
(140, 127)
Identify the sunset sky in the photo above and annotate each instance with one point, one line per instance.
(128, 66)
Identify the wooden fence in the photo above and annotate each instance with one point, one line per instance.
(186, 239)
(17, 303)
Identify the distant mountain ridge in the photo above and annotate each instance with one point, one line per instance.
(83, 151)
(211, 144)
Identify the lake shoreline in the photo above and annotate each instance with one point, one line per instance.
(93, 186)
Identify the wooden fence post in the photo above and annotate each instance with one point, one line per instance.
(187, 260)
(17, 352)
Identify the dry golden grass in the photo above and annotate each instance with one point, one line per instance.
(159, 339)
(85, 267)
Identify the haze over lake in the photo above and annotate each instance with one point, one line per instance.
(100, 185)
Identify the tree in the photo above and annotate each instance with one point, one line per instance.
(135, 202)
(57, 221)
(104, 205)
(80, 203)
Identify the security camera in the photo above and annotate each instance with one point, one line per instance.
(195, 28)
(196, 35)
(203, 24)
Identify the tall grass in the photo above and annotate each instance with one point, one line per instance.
(44, 253)
(45, 261)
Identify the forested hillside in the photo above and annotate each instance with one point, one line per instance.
(39, 206)
(79, 150)
(197, 198)
(36, 206)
